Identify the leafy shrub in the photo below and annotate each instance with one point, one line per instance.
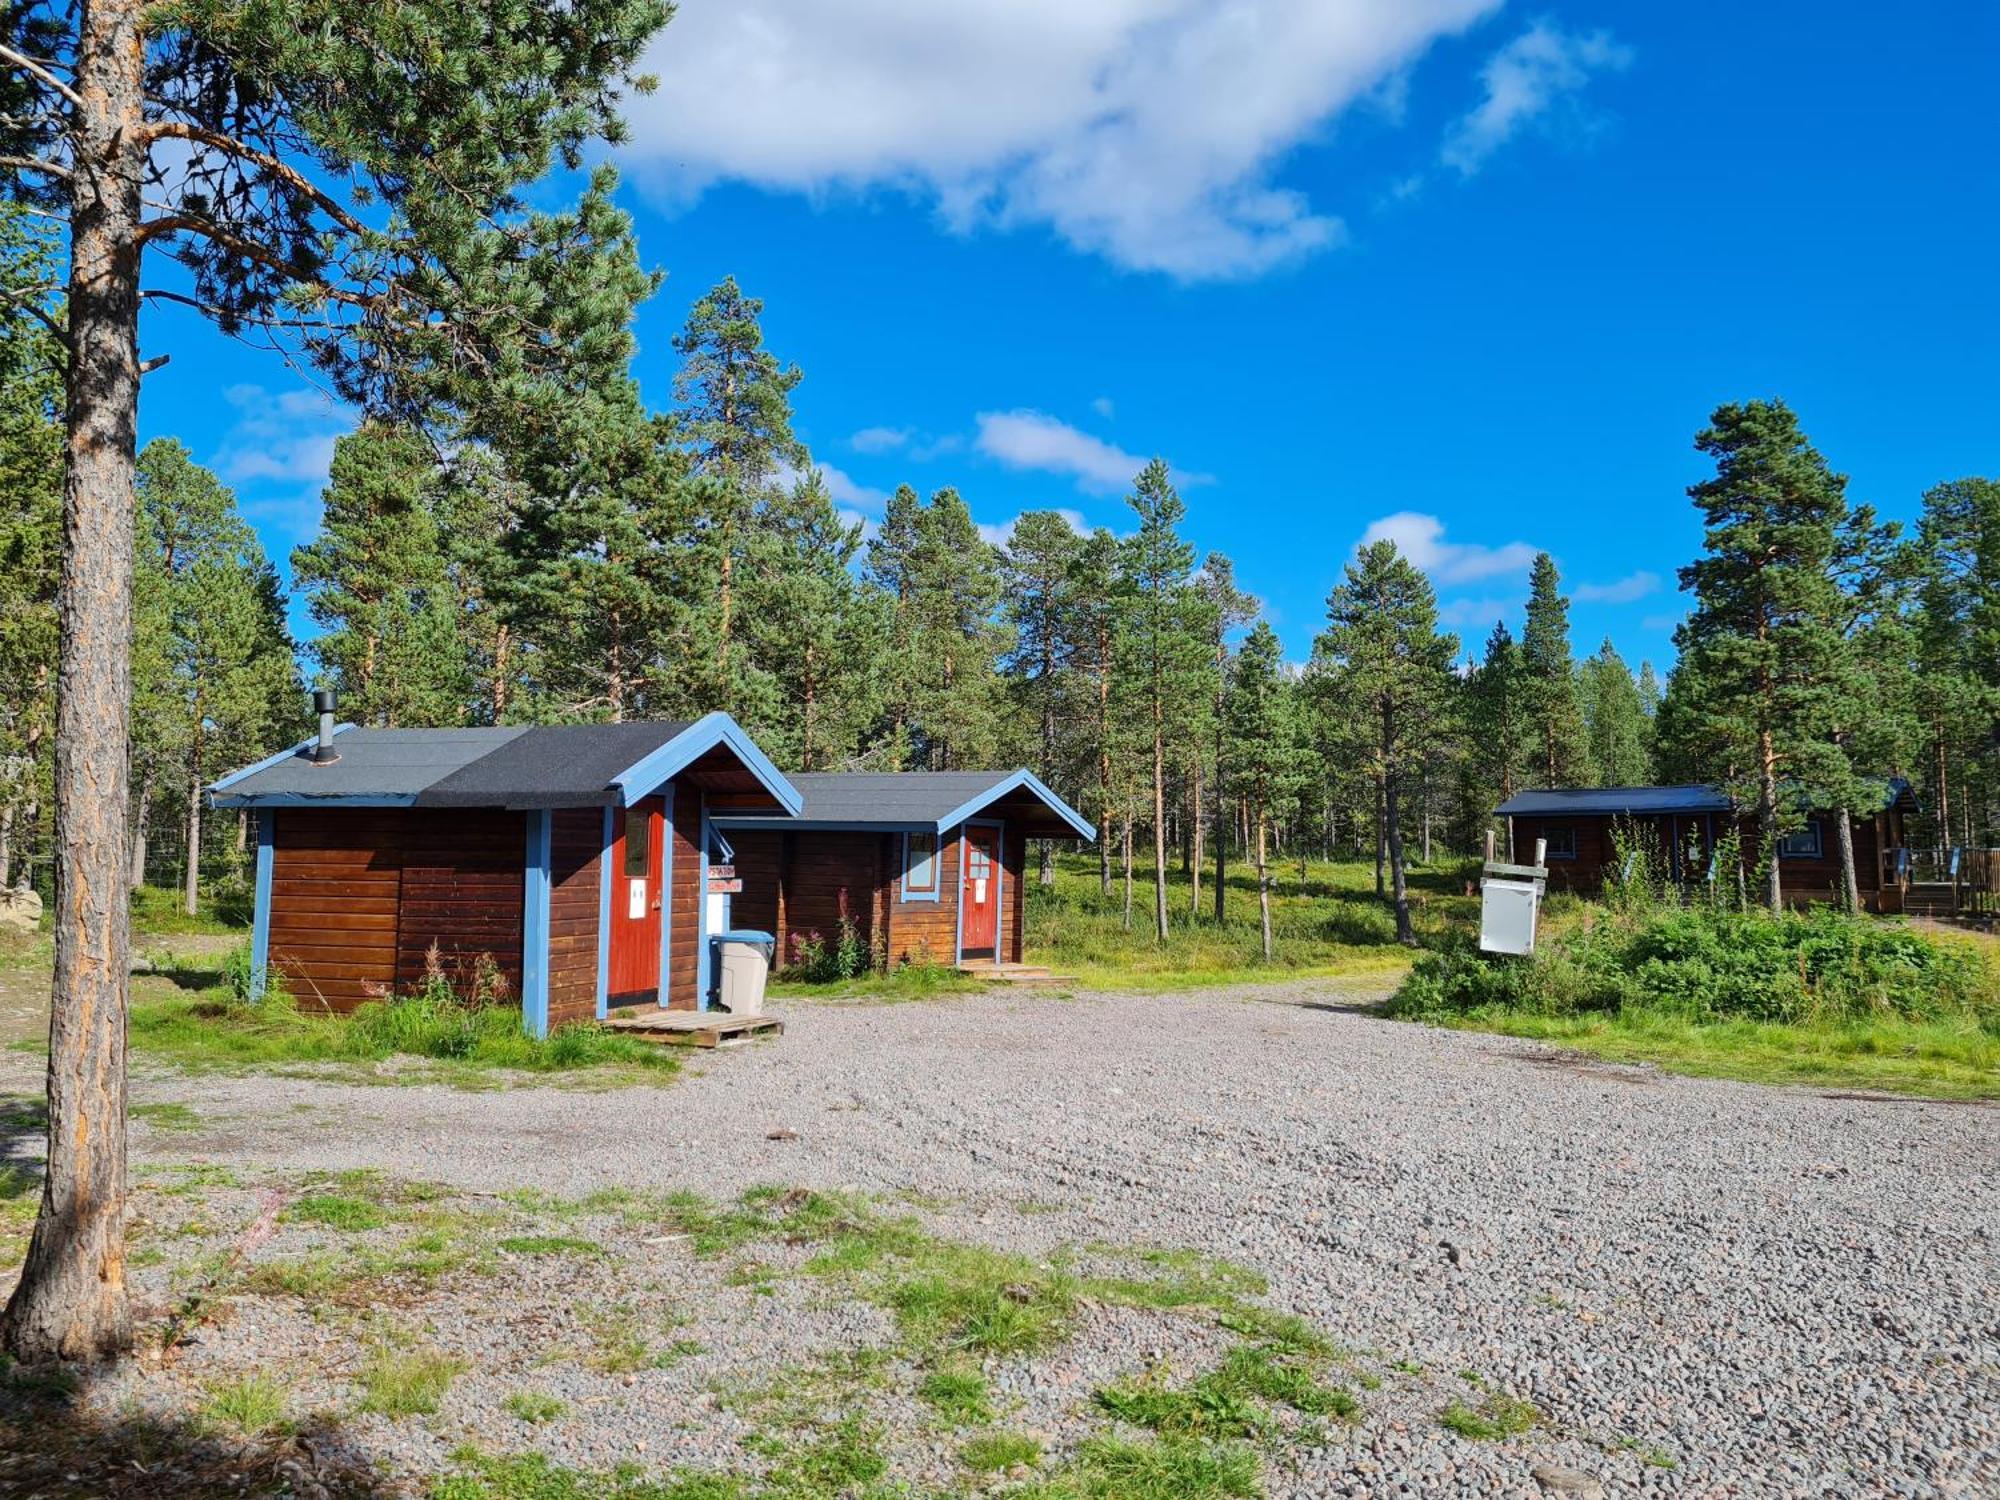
(1704, 962)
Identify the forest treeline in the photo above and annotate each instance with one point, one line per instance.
(673, 562)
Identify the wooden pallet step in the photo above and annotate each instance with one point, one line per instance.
(693, 1028)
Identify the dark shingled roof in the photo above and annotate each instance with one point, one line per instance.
(558, 765)
(914, 800)
(1615, 800)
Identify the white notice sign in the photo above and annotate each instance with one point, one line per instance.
(635, 902)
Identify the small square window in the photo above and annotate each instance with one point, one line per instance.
(1802, 843)
(1561, 839)
(920, 867)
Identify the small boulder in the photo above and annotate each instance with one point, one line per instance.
(1558, 1480)
(20, 909)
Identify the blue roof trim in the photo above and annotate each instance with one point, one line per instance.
(1021, 778)
(654, 771)
(267, 762)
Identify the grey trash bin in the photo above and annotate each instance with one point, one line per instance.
(742, 962)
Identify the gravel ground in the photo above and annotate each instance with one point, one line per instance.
(1780, 1292)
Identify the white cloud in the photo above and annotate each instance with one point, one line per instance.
(1539, 69)
(868, 524)
(1481, 612)
(842, 487)
(937, 447)
(1146, 131)
(1619, 591)
(1105, 407)
(1000, 536)
(879, 439)
(1024, 439)
(283, 437)
(1420, 538)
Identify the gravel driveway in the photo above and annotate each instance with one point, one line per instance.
(1707, 1287)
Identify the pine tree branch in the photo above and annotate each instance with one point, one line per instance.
(28, 65)
(296, 180)
(36, 164)
(24, 298)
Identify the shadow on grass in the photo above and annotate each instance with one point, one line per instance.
(53, 1445)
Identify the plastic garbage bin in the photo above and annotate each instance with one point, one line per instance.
(742, 960)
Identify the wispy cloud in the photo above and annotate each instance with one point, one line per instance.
(1025, 439)
(1420, 538)
(1105, 407)
(1482, 611)
(879, 439)
(1624, 590)
(842, 487)
(285, 437)
(1535, 73)
(1149, 132)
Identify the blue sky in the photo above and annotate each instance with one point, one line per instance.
(1466, 273)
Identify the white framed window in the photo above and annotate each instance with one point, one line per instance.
(1802, 843)
(920, 867)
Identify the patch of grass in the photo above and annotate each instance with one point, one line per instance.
(1263, 1371)
(535, 1476)
(342, 1211)
(1165, 1469)
(534, 1407)
(166, 1116)
(250, 1406)
(406, 1382)
(158, 911)
(958, 1394)
(841, 1459)
(1232, 1400)
(998, 1452)
(1495, 1417)
(622, 1342)
(986, 1301)
(550, 1244)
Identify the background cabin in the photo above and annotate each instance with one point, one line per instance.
(1684, 822)
(926, 866)
(569, 862)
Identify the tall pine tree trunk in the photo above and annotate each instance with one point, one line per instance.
(1127, 840)
(1194, 848)
(71, 1301)
(503, 650)
(1263, 882)
(6, 845)
(1104, 765)
(1850, 882)
(1380, 889)
(1159, 813)
(1392, 829)
(1767, 818)
(191, 886)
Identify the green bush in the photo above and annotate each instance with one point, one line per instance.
(1704, 963)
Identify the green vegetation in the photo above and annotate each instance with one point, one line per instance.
(166, 1116)
(338, 1211)
(249, 1406)
(958, 1394)
(534, 1407)
(406, 1382)
(1493, 1418)
(222, 909)
(1799, 997)
(997, 1452)
(549, 1244)
(219, 1030)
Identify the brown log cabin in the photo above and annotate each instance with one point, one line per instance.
(1684, 822)
(924, 866)
(568, 863)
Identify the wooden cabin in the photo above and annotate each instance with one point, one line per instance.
(1684, 822)
(927, 866)
(571, 862)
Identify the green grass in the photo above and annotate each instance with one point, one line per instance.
(1165, 1469)
(958, 1395)
(341, 1211)
(166, 1116)
(1493, 1418)
(221, 909)
(549, 1244)
(214, 1031)
(997, 1452)
(250, 1406)
(535, 1408)
(406, 1382)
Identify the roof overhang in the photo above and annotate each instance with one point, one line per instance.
(219, 794)
(716, 731)
(1062, 815)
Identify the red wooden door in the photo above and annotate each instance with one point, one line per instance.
(979, 893)
(638, 881)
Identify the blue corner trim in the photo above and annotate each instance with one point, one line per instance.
(260, 929)
(903, 891)
(604, 919)
(701, 919)
(1021, 778)
(666, 895)
(271, 760)
(957, 901)
(535, 928)
(680, 752)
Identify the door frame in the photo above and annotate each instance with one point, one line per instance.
(999, 825)
(611, 872)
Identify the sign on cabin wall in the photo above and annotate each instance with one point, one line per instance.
(724, 881)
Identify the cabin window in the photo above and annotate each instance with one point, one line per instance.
(920, 867)
(1802, 843)
(638, 829)
(1561, 840)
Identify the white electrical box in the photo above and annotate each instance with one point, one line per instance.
(1507, 913)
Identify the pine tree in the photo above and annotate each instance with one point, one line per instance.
(376, 583)
(1267, 755)
(1549, 676)
(1166, 642)
(1956, 639)
(735, 419)
(1762, 644)
(346, 182)
(1497, 719)
(1098, 604)
(1228, 609)
(1616, 720)
(477, 506)
(1390, 670)
(1042, 557)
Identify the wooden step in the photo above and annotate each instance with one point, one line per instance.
(693, 1028)
(1024, 974)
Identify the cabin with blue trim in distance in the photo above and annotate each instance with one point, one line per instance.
(559, 867)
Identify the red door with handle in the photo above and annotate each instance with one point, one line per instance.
(638, 867)
(979, 893)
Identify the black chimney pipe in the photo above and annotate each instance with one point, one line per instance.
(324, 703)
